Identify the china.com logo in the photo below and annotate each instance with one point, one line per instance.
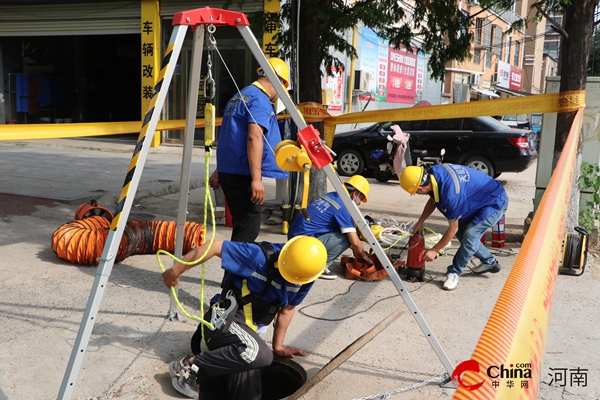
(513, 371)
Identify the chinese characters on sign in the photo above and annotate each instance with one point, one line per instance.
(271, 28)
(147, 60)
(395, 75)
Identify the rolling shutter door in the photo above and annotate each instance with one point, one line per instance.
(168, 8)
(70, 19)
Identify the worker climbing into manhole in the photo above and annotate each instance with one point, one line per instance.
(261, 281)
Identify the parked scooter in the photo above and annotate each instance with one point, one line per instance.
(396, 158)
(398, 155)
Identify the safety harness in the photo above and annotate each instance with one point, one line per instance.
(255, 310)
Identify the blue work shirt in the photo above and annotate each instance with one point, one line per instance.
(464, 193)
(248, 261)
(327, 213)
(232, 150)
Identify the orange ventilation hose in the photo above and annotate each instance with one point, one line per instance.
(82, 241)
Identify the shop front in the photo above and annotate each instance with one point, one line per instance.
(83, 62)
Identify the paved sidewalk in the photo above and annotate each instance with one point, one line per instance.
(42, 298)
(76, 170)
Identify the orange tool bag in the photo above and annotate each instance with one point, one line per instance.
(356, 269)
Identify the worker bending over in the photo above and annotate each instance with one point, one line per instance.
(471, 201)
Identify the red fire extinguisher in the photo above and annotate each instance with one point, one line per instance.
(415, 265)
(498, 233)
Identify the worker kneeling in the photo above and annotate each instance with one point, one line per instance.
(471, 201)
(262, 281)
(331, 223)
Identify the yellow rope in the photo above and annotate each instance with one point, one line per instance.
(207, 200)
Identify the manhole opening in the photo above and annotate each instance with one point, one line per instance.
(279, 380)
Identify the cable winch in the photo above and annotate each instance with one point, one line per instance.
(575, 249)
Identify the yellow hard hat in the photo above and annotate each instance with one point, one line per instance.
(410, 178)
(302, 260)
(359, 183)
(280, 68)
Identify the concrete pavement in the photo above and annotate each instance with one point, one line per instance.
(42, 298)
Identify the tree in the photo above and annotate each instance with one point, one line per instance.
(576, 33)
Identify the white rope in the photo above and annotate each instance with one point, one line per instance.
(239, 91)
(397, 235)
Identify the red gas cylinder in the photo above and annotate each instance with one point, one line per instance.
(498, 233)
(415, 266)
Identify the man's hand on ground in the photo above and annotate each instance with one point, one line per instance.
(290, 352)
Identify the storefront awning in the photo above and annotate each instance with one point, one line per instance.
(512, 92)
(487, 93)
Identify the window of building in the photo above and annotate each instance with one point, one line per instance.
(551, 48)
(517, 53)
(487, 39)
(497, 46)
(478, 41)
(507, 52)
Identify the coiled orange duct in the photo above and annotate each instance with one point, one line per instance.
(82, 241)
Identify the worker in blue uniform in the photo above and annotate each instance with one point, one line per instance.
(471, 201)
(331, 223)
(248, 136)
(262, 282)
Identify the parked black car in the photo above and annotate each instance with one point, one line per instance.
(482, 143)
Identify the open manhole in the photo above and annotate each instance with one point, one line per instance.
(279, 380)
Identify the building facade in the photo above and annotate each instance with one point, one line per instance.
(503, 64)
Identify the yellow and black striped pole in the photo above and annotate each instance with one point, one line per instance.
(121, 214)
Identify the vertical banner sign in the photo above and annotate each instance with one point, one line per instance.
(382, 71)
(272, 8)
(369, 47)
(402, 76)
(420, 76)
(516, 78)
(150, 35)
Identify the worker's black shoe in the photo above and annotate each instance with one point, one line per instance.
(176, 366)
(494, 267)
(183, 377)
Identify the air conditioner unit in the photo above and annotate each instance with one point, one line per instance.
(362, 80)
(474, 79)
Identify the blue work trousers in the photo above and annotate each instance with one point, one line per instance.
(469, 236)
